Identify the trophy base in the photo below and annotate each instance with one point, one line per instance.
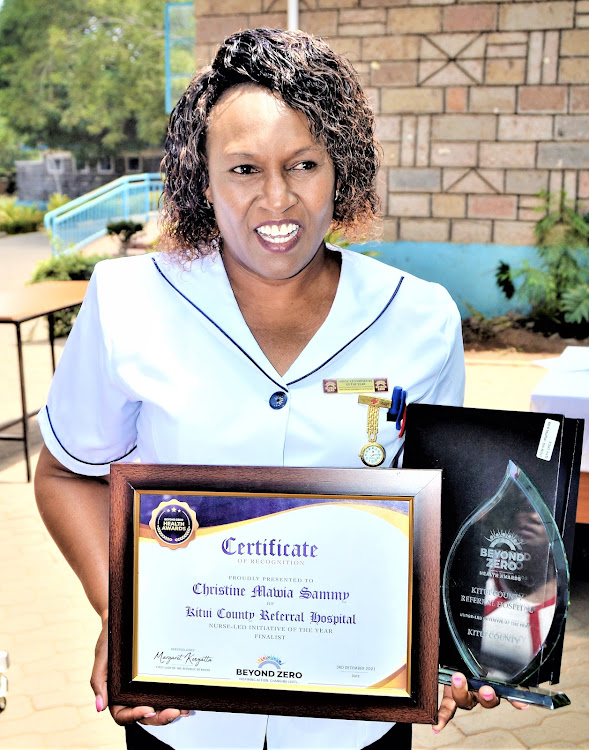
(534, 695)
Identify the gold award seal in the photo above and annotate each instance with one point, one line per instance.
(173, 524)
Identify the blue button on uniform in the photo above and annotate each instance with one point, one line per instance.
(278, 400)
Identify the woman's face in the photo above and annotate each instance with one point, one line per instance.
(270, 182)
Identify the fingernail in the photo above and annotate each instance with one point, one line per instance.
(487, 694)
(525, 706)
(457, 681)
(99, 703)
(435, 731)
(149, 716)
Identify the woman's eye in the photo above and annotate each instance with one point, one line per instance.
(244, 169)
(304, 165)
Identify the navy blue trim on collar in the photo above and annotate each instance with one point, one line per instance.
(253, 361)
(218, 327)
(351, 341)
(71, 455)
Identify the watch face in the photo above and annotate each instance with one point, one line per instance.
(372, 454)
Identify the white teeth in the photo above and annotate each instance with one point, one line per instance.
(278, 233)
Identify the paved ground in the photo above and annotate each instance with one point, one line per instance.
(49, 629)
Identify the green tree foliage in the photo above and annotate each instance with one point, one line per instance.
(9, 145)
(16, 219)
(83, 76)
(557, 289)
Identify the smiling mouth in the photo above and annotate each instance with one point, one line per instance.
(278, 234)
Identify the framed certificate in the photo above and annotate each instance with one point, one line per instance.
(304, 592)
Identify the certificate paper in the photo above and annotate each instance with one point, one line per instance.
(284, 595)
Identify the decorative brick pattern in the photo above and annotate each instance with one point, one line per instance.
(449, 206)
(580, 99)
(514, 232)
(571, 127)
(412, 100)
(407, 204)
(472, 232)
(422, 149)
(470, 18)
(388, 127)
(526, 181)
(492, 206)
(479, 104)
(508, 155)
(528, 208)
(408, 141)
(575, 44)
(451, 154)
(415, 180)
(456, 99)
(215, 28)
(550, 59)
(395, 73)
(426, 230)
(535, 50)
(538, 15)
(583, 191)
(414, 20)
(505, 70)
(464, 127)
(525, 128)
(563, 155)
(542, 99)
(492, 99)
(570, 183)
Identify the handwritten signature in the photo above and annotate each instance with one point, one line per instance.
(187, 657)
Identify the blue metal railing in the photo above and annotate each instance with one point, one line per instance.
(84, 219)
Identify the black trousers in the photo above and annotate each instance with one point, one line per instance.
(397, 738)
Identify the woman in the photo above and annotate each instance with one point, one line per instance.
(217, 350)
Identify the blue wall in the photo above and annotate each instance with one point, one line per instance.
(467, 271)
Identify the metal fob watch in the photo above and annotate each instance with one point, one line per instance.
(372, 454)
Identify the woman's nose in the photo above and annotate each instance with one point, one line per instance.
(277, 194)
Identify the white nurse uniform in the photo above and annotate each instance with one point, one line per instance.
(161, 367)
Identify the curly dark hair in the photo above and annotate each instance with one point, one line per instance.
(310, 78)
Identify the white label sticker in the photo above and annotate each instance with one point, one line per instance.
(548, 439)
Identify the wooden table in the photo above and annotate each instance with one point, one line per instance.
(28, 303)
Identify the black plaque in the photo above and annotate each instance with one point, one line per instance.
(508, 509)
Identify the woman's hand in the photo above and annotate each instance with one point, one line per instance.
(99, 670)
(123, 714)
(84, 542)
(457, 695)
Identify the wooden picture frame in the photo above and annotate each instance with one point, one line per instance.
(321, 500)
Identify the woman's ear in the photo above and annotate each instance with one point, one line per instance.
(208, 195)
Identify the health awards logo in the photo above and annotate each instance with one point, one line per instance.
(173, 524)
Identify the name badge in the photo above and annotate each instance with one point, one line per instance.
(356, 385)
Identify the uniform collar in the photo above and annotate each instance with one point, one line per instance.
(366, 287)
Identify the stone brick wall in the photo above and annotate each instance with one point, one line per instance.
(479, 105)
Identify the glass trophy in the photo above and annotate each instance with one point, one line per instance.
(505, 592)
